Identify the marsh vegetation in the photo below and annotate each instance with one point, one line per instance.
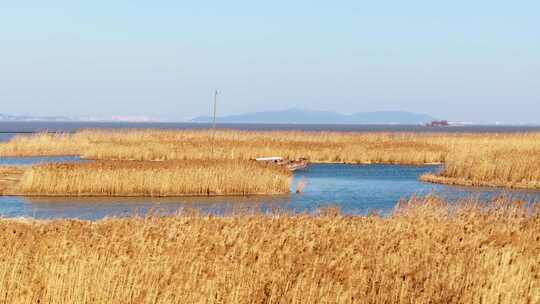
(509, 160)
(427, 251)
(146, 178)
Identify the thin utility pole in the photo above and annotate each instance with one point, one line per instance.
(215, 109)
(214, 123)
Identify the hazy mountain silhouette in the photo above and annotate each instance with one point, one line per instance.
(8, 117)
(323, 117)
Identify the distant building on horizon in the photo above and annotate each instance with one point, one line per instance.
(438, 123)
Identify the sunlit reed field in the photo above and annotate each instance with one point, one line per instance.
(426, 252)
(9, 177)
(234, 144)
(513, 164)
(136, 178)
(510, 159)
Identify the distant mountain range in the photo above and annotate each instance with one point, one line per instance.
(290, 116)
(8, 117)
(300, 116)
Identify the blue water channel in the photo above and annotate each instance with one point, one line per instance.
(355, 189)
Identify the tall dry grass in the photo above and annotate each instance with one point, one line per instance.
(426, 252)
(407, 148)
(43, 144)
(9, 177)
(510, 160)
(171, 178)
(507, 162)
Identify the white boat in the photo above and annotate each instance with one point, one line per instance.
(292, 165)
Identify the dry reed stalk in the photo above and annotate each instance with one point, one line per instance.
(172, 178)
(301, 185)
(427, 252)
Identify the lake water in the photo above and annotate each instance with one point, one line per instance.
(15, 127)
(7, 136)
(10, 129)
(355, 189)
(24, 161)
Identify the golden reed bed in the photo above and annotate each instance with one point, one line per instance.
(232, 144)
(510, 160)
(426, 252)
(136, 178)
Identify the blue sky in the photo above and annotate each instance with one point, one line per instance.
(460, 60)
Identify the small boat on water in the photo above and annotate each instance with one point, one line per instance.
(292, 165)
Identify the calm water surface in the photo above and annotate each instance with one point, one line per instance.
(7, 136)
(23, 161)
(356, 189)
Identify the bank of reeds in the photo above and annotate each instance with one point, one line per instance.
(426, 252)
(403, 148)
(509, 160)
(43, 144)
(9, 177)
(145, 178)
(513, 163)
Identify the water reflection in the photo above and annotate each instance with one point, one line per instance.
(8, 136)
(99, 207)
(22, 161)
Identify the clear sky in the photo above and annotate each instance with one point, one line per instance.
(460, 60)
